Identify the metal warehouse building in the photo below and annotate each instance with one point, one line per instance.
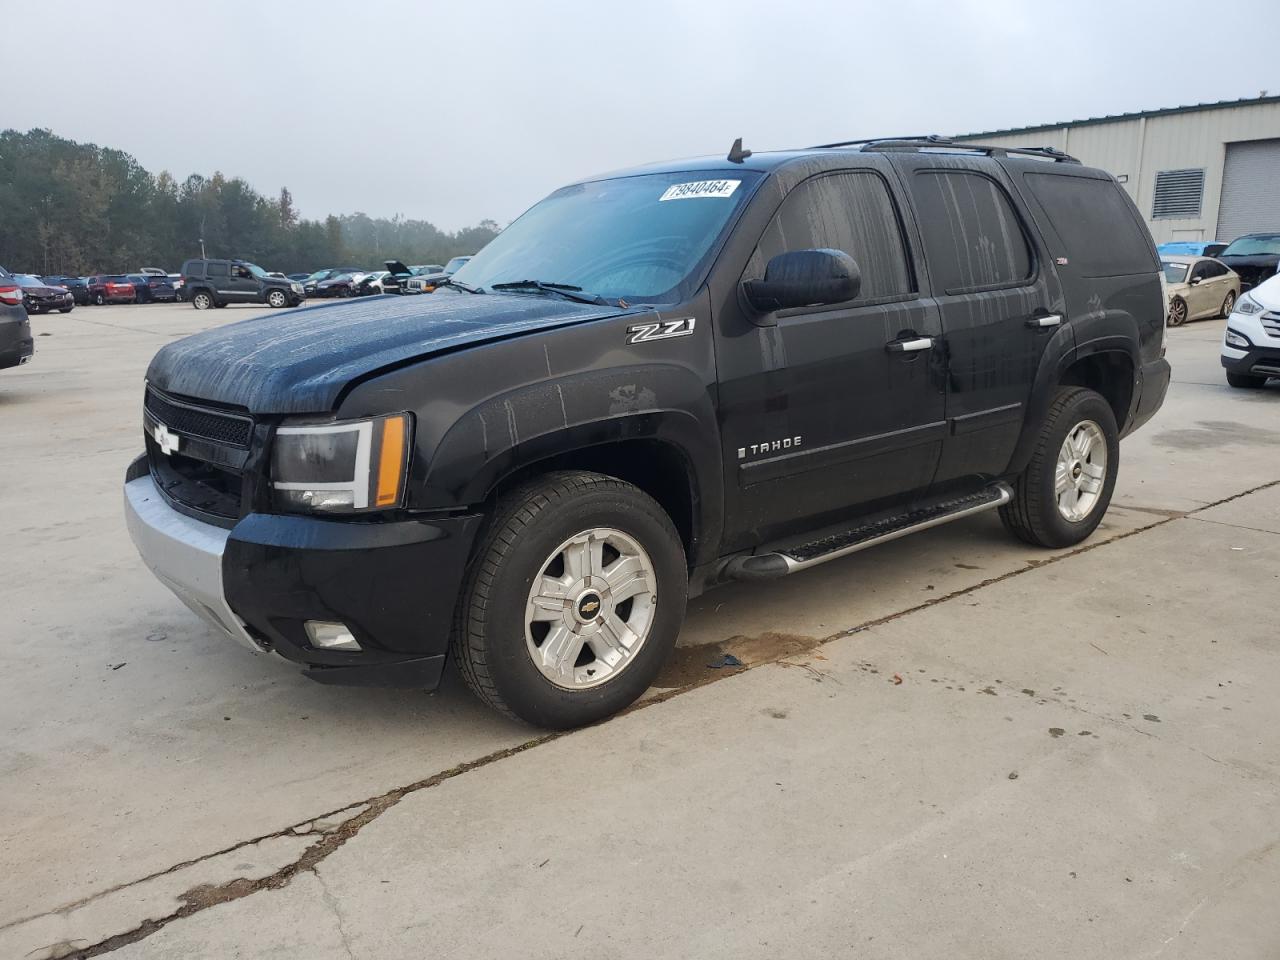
(1204, 172)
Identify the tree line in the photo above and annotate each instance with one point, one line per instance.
(77, 208)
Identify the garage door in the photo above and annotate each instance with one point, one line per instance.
(1250, 189)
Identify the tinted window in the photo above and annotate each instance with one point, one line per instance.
(1212, 268)
(216, 268)
(971, 234)
(1253, 246)
(641, 238)
(852, 212)
(1097, 224)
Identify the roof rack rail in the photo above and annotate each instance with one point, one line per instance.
(856, 143)
(991, 150)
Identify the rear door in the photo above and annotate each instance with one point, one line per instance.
(996, 297)
(1213, 288)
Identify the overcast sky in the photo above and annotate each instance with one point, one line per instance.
(454, 112)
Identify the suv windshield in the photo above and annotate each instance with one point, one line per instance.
(1253, 246)
(640, 238)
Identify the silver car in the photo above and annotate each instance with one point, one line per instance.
(1198, 287)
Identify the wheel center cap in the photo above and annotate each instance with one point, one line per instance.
(1076, 470)
(589, 606)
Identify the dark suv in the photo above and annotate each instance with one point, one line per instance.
(216, 283)
(721, 369)
(16, 343)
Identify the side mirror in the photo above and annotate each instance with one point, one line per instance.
(1195, 281)
(805, 278)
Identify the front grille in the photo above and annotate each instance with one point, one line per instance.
(1271, 324)
(203, 422)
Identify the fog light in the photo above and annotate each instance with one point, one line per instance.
(330, 636)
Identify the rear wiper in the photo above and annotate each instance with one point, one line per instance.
(450, 282)
(566, 290)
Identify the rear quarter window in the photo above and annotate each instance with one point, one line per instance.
(1097, 224)
(216, 268)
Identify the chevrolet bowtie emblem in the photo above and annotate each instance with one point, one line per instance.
(167, 442)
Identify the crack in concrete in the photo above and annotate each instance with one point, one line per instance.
(209, 896)
(1236, 526)
(332, 903)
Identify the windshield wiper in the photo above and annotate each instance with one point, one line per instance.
(450, 282)
(566, 290)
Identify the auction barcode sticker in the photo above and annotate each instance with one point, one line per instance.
(700, 188)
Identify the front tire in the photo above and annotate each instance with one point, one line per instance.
(277, 299)
(1062, 495)
(100, 300)
(1177, 312)
(572, 602)
(202, 300)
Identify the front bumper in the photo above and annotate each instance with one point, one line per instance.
(394, 585)
(1256, 361)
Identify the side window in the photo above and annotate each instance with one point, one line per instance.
(1097, 222)
(1201, 270)
(240, 272)
(1213, 269)
(216, 268)
(972, 237)
(852, 212)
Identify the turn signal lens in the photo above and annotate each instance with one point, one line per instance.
(391, 461)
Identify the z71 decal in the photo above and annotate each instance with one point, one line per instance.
(661, 330)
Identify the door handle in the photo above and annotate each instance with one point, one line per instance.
(1040, 323)
(909, 346)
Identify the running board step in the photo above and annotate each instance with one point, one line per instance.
(780, 562)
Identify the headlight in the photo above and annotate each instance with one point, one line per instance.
(296, 287)
(1248, 306)
(352, 466)
(1237, 340)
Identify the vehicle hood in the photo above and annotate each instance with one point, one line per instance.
(1267, 293)
(395, 266)
(301, 361)
(45, 291)
(1253, 260)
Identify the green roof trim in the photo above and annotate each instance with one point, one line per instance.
(1121, 117)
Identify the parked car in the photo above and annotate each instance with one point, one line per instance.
(114, 288)
(40, 297)
(153, 288)
(16, 343)
(343, 285)
(1255, 257)
(1198, 287)
(1191, 248)
(1251, 342)
(398, 275)
(371, 283)
(427, 282)
(721, 369)
(77, 285)
(178, 285)
(217, 283)
(312, 283)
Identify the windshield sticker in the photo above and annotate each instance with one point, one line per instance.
(700, 188)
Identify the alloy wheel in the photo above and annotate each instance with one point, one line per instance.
(590, 608)
(1081, 471)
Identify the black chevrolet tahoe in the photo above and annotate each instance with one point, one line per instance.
(654, 381)
(216, 283)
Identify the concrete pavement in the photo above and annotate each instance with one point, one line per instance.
(119, 766)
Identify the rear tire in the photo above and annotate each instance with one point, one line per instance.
(570, 533)
(202, 300)
(1061, 496)
(1246, 381)
(1228, 304)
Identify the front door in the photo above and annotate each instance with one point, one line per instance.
(838, 409)
(243, 286)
